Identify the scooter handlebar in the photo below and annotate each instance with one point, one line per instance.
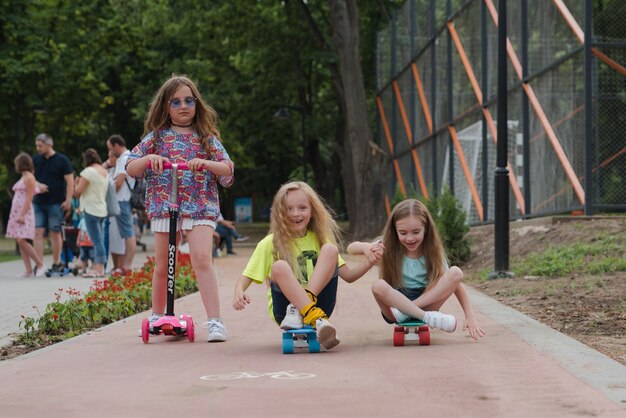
(167, 166)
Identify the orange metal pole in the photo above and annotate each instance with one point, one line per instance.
(387, 205)
(580, 34)
(422, 95)
(519, 197)
(409, 137)
(541, 115)
(396, 167)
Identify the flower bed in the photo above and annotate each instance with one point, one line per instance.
(107, 301)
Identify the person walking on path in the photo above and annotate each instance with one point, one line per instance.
(54, 170)
(91, 187)
(123, 186)
(181, 128)
(415, 278)
(21, 225)
(300, 263)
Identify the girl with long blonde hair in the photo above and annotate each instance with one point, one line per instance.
(415, 278)
(299, 262)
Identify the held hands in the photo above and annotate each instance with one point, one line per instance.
(374, 254)
(473, 329)
(240, 301)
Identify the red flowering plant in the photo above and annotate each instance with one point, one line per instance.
(107, 301)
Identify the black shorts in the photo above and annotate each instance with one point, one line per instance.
(325, 300)
(411, 294)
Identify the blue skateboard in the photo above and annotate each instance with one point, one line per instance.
(305, 337)
(414, 330)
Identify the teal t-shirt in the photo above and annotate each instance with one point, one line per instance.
(414, 273)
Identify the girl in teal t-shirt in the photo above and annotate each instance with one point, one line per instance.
(415, 278)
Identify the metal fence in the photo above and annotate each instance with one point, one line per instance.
(436, 100)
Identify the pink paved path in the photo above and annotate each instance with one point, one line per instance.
(110, 373)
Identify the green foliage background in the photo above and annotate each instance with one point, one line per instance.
(82, 70)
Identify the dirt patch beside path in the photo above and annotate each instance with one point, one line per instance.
(588, 308)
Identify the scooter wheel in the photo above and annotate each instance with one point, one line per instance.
(191, 332)
(145, 330)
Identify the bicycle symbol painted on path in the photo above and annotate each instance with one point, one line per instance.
(253, 375)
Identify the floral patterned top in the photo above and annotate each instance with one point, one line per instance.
(198, 196)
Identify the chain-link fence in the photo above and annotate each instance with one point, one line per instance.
(437, 102)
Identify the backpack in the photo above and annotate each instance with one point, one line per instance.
(113, 206)
(137, 194)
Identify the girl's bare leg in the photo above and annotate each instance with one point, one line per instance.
(289, 284)
(432, 299)
(159, 276)
(22, 245)
(201, 253)
(386, 297)
(31, 253)
(322, 273)
(324, 268)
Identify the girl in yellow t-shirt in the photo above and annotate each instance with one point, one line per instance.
(300, 263)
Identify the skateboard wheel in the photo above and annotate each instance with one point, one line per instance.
(145, 330)
(424, 337)
(314, 345)
(398, 329)
(398, 338)
(191, 332)
(287, 343)
(423, 328)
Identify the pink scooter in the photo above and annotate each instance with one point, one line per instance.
(170, 324)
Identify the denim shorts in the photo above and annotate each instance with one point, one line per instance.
(125, 220)
(49, 217)
(325, 300)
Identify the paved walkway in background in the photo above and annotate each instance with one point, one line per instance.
(29, 296)
(520, 369)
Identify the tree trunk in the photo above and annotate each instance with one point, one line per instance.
(364, 167)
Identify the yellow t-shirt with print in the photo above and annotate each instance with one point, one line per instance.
(259, 267)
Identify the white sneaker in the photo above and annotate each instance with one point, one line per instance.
(399, 315)
(241, 239)
(41, 271)
(217, 331)
(439, 320)
(293, 318)
(326, 333)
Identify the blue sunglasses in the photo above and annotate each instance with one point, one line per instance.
(189, 102)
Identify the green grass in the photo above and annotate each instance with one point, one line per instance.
(606, 254)
(8, 257)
